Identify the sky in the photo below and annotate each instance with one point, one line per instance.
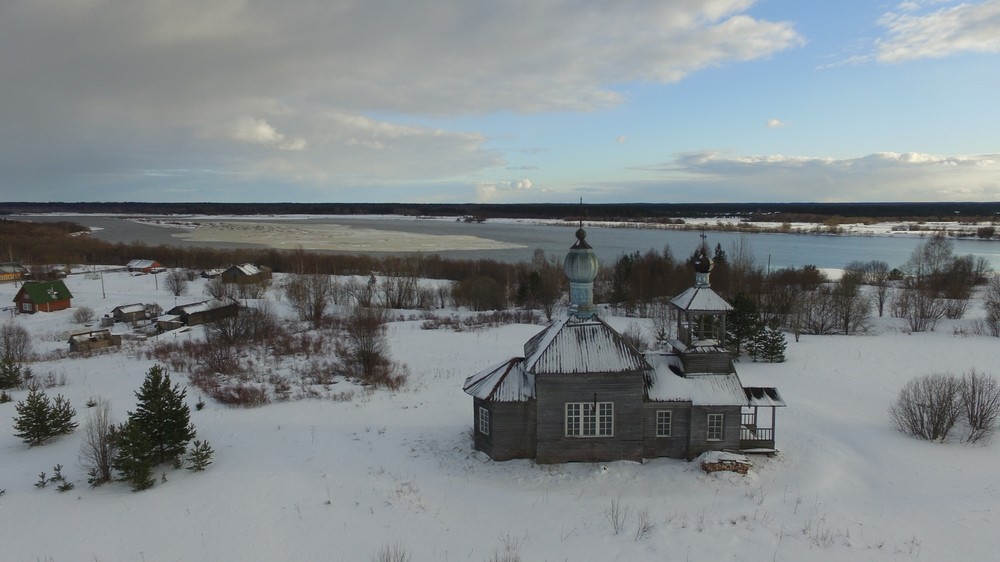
(499, 102)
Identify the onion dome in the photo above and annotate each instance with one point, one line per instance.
(580, 267)
(702, 268)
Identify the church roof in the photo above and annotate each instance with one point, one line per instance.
(572, 345)
(701, 299)
(504, 382)
(670, 383)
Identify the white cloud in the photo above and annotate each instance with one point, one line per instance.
(490, 191)
(259, 131)
(775, 123)
(967, 27)
(883, 176)
(622, 139)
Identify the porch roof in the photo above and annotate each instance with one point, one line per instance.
(764, 396)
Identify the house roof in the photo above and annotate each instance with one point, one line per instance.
(203, 306)
(41, 292)
(245, 269)
(764, 396)
(142, 264)
(577, 346)
(130, 308)
(701, 299)
(671, 384)
(503, 382)
(12, 267)
(91, 335)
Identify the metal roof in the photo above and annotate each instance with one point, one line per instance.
(572, 345)
(671, 384)
(763, 396)
(504, 382)
(701, 299)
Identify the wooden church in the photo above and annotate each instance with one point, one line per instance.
(582, 393)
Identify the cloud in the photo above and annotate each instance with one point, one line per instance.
(775, 123)
(498, 190)
(883, 176)
(98, 88)
(259, 131)
(622, 139)
(967, 27)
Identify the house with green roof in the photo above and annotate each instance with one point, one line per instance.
(47, 296)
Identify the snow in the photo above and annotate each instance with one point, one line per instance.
(337, 480)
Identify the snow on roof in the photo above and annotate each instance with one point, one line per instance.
(130, 308)
(247, 268)
(572, 345)
(764, 396)
(701, 299)
(202, 306)
(504, 382)
(701, 389)
(142, 263)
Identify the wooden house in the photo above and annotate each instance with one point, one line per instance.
(96, 339)
(145, 266)
(582, 393)
(130, 313)
(12, 271)
(196, 313)
(42, 296)
(245, 273)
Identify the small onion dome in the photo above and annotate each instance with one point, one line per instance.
(703, 264)
(580, 265)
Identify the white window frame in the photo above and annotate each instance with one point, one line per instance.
(715, 428)
(26, 306)
(664, 423)
(484, 421)
(589, 419)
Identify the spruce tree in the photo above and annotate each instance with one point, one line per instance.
(10, 373)
(742, 326)
(162, 416)
(38, 420)
(200, 456)
(133, 459)
(31, 424)
(773, 343)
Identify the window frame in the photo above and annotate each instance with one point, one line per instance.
(715, 425)
(661, 424)
(483, 421)
(589, 419)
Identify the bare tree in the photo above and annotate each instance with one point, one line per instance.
(83, 315)
(852, 306)
(991, 301)
(928, 406)
(981, 405)
(176, 282)
(309, 295)
(364, 354)
(15, 342)
(921, 308)
(98, 449)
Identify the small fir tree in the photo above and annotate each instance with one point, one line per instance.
(772, 343)
(743, 326)
(38, 420)
(163, 416)
(10, 373)
(200, 456)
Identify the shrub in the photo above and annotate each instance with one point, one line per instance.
(98, 449)
(980, 396)
(83, 315)
(928, 407)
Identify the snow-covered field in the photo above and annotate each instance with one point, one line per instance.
(335, 480)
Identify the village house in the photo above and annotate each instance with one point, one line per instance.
(12, 271)
(196, 313)
(95, 339)
(145, 266)
(42, 296)
(582, 393)
(130, 313)
(245, 273)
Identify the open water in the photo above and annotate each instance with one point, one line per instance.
(775, 250)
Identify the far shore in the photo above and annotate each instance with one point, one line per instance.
(334, 237)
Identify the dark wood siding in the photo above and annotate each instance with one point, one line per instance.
(512, 429)
(675, 446)
(699, 428)
(707, 363)
(554, 391)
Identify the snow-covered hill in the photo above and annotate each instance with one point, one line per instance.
(339, 480)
